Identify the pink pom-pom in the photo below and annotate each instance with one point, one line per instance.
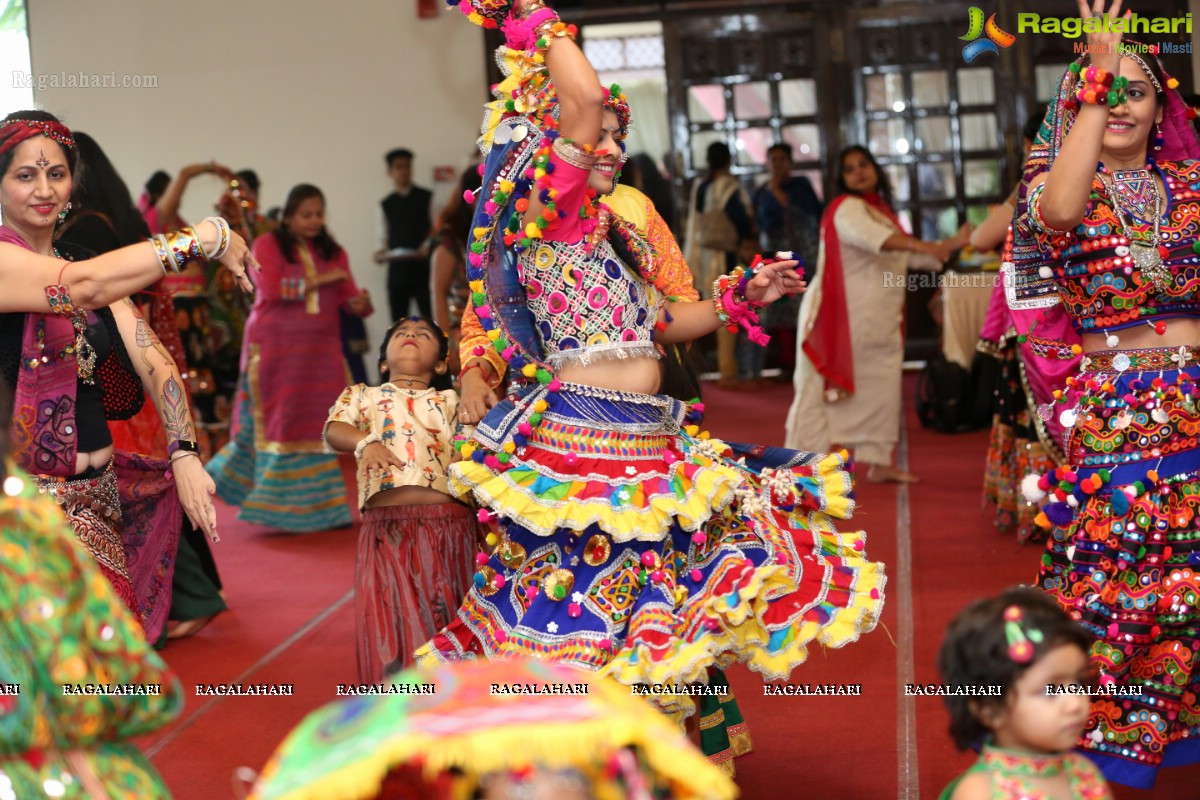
(1113, 630)
(554, 385)
(658, 576)
(874, 594)
(485, 516)
(477, 350)
(647, 559)
(699, 537)
(605, 644)
(476, 259)
(696, 575)
(669, 457)
(498, 581)
(572, 459)
(575, 609)
(507, 353)
(858, 545)
(492, 462)
(698, 408)
(501, 636)
(490, 207)
(483, 312)
(525, 429)
(469, 196)
(481, 558)
(480, 168)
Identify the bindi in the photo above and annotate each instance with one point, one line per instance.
(42, 161)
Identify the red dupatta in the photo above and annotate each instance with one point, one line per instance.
(828, 343)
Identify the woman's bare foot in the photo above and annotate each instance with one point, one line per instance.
(886, 473)
(187, 627)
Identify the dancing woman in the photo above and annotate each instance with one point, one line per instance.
(1107, 226)
(626, 542)
(77, 361)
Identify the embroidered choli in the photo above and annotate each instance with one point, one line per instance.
(588, 307)
(1100, 284)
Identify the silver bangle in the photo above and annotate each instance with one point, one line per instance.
(369, 439)
(222, 238)
(573, 154)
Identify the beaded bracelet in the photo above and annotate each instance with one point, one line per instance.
(369, 439)
(547, 32)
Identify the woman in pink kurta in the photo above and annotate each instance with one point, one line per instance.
(275, 467)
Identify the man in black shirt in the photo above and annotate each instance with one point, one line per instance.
(403, 229)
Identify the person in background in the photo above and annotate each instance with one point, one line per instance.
(720, 233)
(404, 225)
(275, 467)
(448, 278)
(650, 181)
(105, 219)
(788, 213)
(850, 332)
(54, 744)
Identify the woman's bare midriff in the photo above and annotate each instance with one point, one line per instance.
(642, 375)
(95, 459)
(1180, 332)
(408, 496)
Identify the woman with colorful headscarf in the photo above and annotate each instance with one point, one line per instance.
(76, 361)
(1106, 230)
(626, 542)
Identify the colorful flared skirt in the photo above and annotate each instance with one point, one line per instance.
(1014, 451)
(413, 568)
(295, 492)
(630, 545)
(1126, 563)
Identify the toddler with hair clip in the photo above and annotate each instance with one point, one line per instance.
(417, 543)
(1020, 641)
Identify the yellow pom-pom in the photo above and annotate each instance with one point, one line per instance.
(1172, 83)
(480, 232)
(509, 447)
(533, 231)
(491, 539)
(704, 435)
(476, 286)
(692, 430)
(529, 370)
(494, 334)
(507, 186)
(1076, 349)
(540, 406)
(539, 58)
(467, 450)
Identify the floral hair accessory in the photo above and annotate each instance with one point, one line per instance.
(1020, 640)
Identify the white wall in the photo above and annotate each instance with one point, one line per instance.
(299, 90)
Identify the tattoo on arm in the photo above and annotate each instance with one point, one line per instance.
(176, 416)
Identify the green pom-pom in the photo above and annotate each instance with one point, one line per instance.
(478, 247)
(510, 105)
(500, 198)
(535, 418)
(544, 376)
(1075, 67)
(1114, 98)
(1022, 339)
(503, 458)
(1196, 247)
(543, 223)
(1105, 475)
(501, 343)
(514, 224)
(542, 44)
(478, 299)
(1120, 82)
(614, 90)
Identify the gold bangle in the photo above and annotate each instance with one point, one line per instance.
(573, 154)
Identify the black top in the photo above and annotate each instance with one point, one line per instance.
(408, 219)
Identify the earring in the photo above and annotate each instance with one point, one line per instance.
(1159, 139)
(62, 215)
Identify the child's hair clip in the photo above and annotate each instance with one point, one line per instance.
(1020, 640)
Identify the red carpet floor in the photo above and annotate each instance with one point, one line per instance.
(291, 621)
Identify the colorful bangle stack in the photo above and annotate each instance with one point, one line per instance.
(1098, 87)
(734, 309)
(573, 154)
(547, 33)
(178, 250)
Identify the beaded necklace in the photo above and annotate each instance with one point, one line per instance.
(1139, 189)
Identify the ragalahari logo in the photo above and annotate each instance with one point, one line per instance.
(997, 38)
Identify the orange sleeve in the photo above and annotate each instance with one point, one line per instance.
(472, 335)
(677, 278)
